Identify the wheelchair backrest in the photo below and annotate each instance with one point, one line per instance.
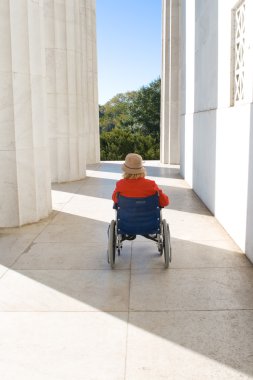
(138, 216)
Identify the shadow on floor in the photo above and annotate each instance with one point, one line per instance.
(203, 303)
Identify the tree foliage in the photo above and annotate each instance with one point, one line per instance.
(116, 112)
(145, 109)
(115, 145)
(130, 122)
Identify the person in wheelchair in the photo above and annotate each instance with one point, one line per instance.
(135, 185)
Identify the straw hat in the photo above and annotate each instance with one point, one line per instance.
(133, 164)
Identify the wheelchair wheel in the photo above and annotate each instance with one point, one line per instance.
(111, 243)
(166, 243)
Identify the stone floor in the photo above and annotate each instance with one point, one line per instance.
(65, 315)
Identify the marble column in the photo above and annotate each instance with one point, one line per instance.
(25, 190)
(90, 63)
(68, 98)
(170, 83)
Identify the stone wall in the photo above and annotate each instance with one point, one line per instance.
(213, 106)
(216, 133)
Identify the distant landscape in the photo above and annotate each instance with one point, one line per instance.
(130, 122)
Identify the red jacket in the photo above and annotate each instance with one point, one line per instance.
(139, 188)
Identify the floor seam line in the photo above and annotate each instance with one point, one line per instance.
(128, 311)
(183, 310)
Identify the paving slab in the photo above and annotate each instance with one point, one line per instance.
(190, 345)
(64, 290)
(90, 207)
(63, 346)
(192, 289)
(189, 254)
(70, 255)
(194, 227)
(14, 241)
(89, 230)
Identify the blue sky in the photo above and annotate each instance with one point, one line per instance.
(129, 45)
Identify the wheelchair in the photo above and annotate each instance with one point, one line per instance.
(138, 216)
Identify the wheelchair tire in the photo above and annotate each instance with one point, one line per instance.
(166, 243)
(111, 243)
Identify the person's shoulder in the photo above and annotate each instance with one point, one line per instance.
(120, 182)
(149, 181)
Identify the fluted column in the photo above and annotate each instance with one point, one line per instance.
(67, 88)
(24, 161)
(90, 65)
(170, 83)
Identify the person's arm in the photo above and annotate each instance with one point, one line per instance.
(114, 194)
(163, 198)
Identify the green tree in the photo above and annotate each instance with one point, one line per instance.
(130, 122)
(116, 112)
(145, 109)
